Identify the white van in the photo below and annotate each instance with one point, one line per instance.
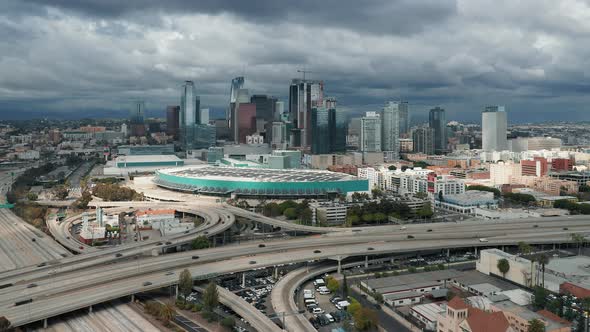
(319, 282)
(330, 318)
(308, 296)
(323, 290)
(310, 301)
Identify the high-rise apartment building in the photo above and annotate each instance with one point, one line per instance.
(438, 122)
(172, 120)
(370, 139)
(423, 140)
(390, 128)
(303, 96)
(404, 118)
(279, 110)
(494, 124)
(137, 119)
(204, 116)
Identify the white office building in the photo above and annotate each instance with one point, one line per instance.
(494, 124)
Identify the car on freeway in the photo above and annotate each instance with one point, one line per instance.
(31, 285)
(147, 283)
(195, 257)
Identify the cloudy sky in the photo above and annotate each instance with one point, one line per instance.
(86, 57)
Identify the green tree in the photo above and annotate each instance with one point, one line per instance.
(32, 196)
(290, 213)
(497, 193)
(228, 322)
(503, 266)
(368, 217)
(421, 195)
(332, 284)
(352, 220)
(200, 242)
(211, 297)
(354, 307)
(305, 216)
(365, 319)
(392, 168)
(185, 283)
(377, 193)
(536, 325)
(539, 297)
(379, 217)
(425, 211)
(167, 312)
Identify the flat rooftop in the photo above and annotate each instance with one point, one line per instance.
(148, 158)
(411, 279)
(258, 175)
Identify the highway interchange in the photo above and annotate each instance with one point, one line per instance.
(65, 284)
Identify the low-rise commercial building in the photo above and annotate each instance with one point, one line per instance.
(328, 213)
(467, 202)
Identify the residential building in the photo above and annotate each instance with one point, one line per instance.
(438, 122)
(494, 124)
(406, 145)
(370, 139)
(562, 164)
(423, 140)
(537, 167)
(443, 185)
(390, 124)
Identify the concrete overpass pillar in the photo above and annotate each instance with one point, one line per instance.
(475, 251)
(339, 265)
(179, 248)
(244, 280)
(90, 309)
(132, 298)
(554, 246)
(448, 252)
(503, 249)
(366, 261)
(45, 323)
(276, 273)
(176, 291)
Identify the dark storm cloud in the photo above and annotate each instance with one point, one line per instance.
(377, 16)
(71, 56)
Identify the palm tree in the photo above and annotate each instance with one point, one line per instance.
(525, 249)
(167, 312)
(503, 266)
(579, 239)
(543, 259)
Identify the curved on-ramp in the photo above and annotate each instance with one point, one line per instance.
(246, 310)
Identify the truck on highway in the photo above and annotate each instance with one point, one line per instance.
(483, 239)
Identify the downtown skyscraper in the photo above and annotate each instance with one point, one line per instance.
(303, 96)
(494, 124)
(390, 117)
(404, 118)
(137, 118)
(370, 139)
(437, 120)
(193, 134)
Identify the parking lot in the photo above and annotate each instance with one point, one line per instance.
(321, 307)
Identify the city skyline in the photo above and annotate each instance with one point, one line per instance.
(130, 57)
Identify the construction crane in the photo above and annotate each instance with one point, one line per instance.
(303, 71)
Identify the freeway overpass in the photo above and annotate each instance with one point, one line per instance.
(73, 287)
